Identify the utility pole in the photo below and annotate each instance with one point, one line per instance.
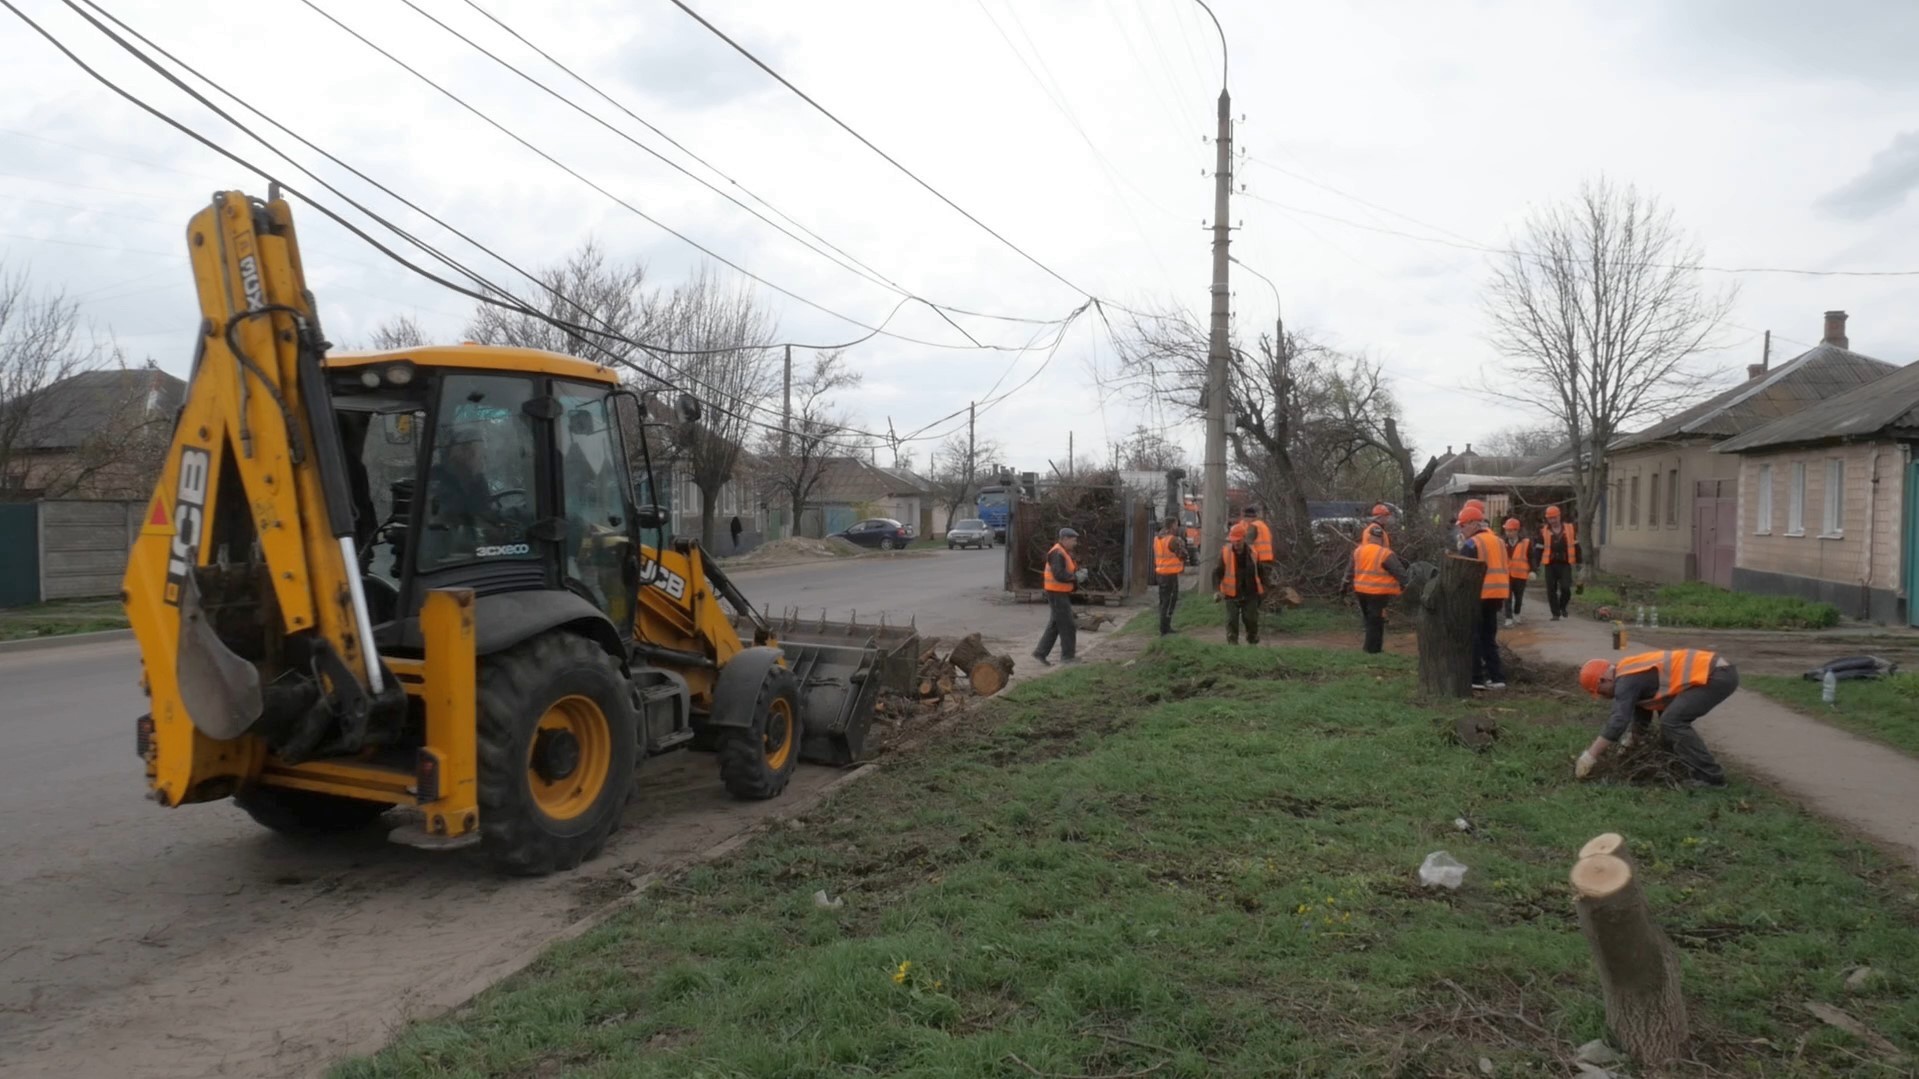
(1212, 528)
(786, 412)
(969, 452)
(1765, 358)
(1070, 470)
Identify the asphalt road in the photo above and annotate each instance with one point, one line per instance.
(112, 909)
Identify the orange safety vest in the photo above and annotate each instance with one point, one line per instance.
(1166, 561)
(1546, 545)
(1519, 560)
(1068, 584)
(1229, 581)
(1679, 670)
(1259, 537)
(1369, 571)
(1492, 551)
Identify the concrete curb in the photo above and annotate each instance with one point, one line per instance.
(59, 640)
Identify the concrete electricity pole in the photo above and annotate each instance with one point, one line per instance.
(786, 412)
(1212, 530)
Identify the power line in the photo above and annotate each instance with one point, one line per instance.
(864, 141)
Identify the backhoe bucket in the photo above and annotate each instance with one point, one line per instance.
(842, 668)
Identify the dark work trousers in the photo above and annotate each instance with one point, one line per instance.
(1559, 588)
(1677, 720)
(1059, 627)
(1518, 598)
(1168, 601)
(1486, 665)
(1372, 612)
(1242, 610)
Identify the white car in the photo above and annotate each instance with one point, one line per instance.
(971, 532)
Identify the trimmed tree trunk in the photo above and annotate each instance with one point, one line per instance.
(990, 675)
(1446, 610)
(968, 651)
(1638, 965)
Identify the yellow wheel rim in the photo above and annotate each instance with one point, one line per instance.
(568, 758)
(779, 733)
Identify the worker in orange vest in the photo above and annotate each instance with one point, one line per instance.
(1236, 582)
(1679, 686)
(1375, 576)
(1382, 516)
(1169, 561)
(1519, 568)
(1259, 537)
(1062, 577)
(1479, 542)
(1558, 552)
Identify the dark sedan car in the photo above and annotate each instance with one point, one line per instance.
(882, 532)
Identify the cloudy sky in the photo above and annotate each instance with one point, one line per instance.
(1384, 140)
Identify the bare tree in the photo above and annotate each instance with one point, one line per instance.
(1600, 309)
(73, 418)
(400, 331)
(958, 471)
(1147, 450)
(726, 323)
(1523, 441)
(588, 291)
(792, 465)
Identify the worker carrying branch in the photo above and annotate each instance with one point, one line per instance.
(1375, 576)
(1679, 686)
(1236, 582)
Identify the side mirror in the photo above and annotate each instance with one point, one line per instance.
(689, 407)
(650, 517)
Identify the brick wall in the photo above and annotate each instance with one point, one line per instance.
(1659, 551)
(1770, 547)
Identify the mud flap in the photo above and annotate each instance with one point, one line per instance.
(220, 690)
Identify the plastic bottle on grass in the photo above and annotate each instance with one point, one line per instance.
(1829, 688)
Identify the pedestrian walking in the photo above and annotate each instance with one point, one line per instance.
(1479, 542)
(1061, 579)
(1259, 539)
(1169, 561)
(736, 529)
(1236, 583)
(1679, 686)
(1375, 576)
(1519, 568)
(1558, 553)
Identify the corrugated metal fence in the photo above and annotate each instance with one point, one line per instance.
(65, 550)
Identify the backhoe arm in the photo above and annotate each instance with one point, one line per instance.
(243, 587)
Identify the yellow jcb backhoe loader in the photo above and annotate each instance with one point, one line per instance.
(426, 578)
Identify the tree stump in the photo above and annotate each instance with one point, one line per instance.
(1446, 612)
(990, 675)
(1638, 965)
(968, 651)
(1611, 843)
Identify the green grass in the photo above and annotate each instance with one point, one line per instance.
(1887, 709)
(1706, 606)
(1203, 864)
(61, 618)
(1198, 611)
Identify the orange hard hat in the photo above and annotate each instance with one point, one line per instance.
(1237, 532)
(1381, 511)
(1591, 673)
(1512, 524)
(1552, 511)
(1470, 512)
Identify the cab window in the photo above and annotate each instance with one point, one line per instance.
(592, 485)
(480, 482)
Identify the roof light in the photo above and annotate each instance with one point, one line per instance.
(400, 374)
(370, 378)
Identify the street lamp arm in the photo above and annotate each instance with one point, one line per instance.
(1223, 58)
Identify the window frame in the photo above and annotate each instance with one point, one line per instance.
(1632, 510)
(1653, 501)
(1835, 499)
(1762, 501)
(1673, 505)
(1796, 500)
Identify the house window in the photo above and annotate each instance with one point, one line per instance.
(1835, 497)
(1618, 503)
(1632, 511)
(1652, 504)
(1672, 499)
(1762, 502)
(1796, 501)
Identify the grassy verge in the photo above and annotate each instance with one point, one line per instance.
(1203, 864)
(61, 618)
(1706, 606)
(1197, 611)
(1887, 709)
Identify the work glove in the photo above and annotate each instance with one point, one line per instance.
(1218, 597)
(1632, 736)
(1584, 766)
(1079, 575)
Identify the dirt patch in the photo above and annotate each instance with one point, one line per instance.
(790, 552)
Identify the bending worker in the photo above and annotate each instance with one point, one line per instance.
(1061, 580)
(1678, 686)
(1236, 583)
(1169, 561)
(1558, 553)
(1519, 567)
(1375, 577)
(1479, 542)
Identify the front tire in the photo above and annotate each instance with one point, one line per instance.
(557, 745)
(305, 814)
(757, 761)
(886, 544)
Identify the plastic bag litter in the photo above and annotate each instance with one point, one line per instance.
(1441, 870)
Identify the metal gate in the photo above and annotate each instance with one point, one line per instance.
(1715, 531)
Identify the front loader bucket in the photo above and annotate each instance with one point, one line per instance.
(842, 667)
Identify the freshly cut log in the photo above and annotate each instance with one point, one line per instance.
(968, 651)
(990, 675)
(1638, 965)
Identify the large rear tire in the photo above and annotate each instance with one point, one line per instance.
(305, 813)
(758, 760)
(557, 743)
